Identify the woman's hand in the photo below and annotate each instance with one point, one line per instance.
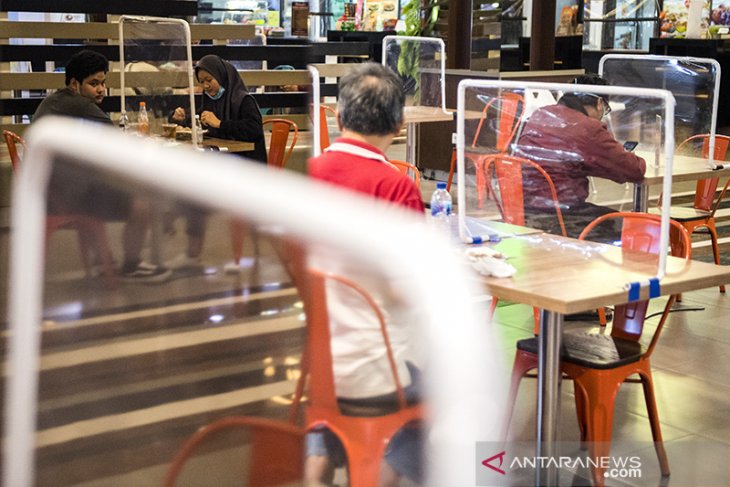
(209, 119)
(179, 114)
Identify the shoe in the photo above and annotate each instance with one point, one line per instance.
(144, 272)
(182, 261)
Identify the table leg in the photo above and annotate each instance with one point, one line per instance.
(548, 400)
(411, 143)
(641, 197)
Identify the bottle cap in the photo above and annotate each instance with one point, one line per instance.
(440, 185)
(142, 104)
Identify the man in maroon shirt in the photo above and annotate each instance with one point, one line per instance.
(570, 142)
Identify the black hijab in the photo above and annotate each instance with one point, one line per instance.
(227, 76)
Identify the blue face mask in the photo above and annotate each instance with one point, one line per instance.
(218, 95)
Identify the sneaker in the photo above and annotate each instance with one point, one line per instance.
(144, 272)
(182, 261)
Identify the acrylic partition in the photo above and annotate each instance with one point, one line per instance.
(695, 83)
(563, 165)
(421, 64)
(157, 69)
(109, 375)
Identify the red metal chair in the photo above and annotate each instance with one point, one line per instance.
(364, 436)
(277, 451)
(88, 228)
(702, 213)
(277, 158)
(409, 170)
(280, 130)
(510, 107)
(598, 363)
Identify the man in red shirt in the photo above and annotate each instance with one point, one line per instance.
(370, 115)
(570, 142)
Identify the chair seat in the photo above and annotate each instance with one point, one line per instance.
(592, 350)
(371, 408)
(682, 213)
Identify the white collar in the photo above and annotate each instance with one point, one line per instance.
(356, 150)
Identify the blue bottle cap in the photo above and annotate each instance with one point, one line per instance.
(440, 185)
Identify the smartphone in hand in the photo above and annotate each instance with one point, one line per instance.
(630, 145)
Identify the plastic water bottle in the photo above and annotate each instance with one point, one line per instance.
(143, 119)
(124, 121)
(199, 129)
(441, 206)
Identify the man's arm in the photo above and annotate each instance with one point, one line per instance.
(607, 158)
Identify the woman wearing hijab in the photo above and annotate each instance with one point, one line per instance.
(228, 110)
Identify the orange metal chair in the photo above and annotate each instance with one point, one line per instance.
(702, 213)
(598, 363)
(87, 227)
(12, 140)
(277, 451)
(364, 433)
(277, 158)
(510, 108)
(409, 170)
(508, 170)
(280, 130)
(324, 134)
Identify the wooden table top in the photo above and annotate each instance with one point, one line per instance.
(567, 275)
(684, 168)
(228, 145)
(419, 114)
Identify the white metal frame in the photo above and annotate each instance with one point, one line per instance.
(664, 95)
(715, 96)
(316, 149)
(464, 366)
(430, 40)
(191, 85)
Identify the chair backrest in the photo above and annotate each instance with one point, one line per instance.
(706, 188)
(508, 170)
(409, 170)
(640, 231)
(322, 394)
(510, 108)
(277, 451)
(280, 129)
(324, 133)
(12, 140)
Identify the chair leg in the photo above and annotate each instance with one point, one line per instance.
(715, 247)
(602, 316)
(524, 362)
(452, 168)
(105, 254)
(580, 412)
(481, 181)
(238, 230)
(647, 383)
(599, 407)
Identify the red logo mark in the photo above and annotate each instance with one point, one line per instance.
(487, 462)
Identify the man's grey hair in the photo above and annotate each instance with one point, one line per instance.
(371, 100)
